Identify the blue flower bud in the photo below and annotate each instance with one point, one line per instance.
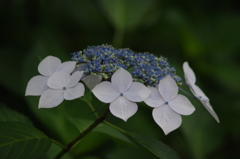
(104, 60)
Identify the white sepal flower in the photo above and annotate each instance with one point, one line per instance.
(38, 84)
(121, 93)
(198, 93)
(61, 86)
(168, 105)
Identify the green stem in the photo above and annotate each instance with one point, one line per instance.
(115, 127)
(94, 111)
(85, 132)
(91, 107)
(58, 143)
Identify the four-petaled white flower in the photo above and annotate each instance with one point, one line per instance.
(61, 86)
(198, 93)
(121, 93)
(168, 105)
(38, 84)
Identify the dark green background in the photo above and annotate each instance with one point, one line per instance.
(203, 32)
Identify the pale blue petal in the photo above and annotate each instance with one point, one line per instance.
(166, 118)
(49, 65)
(181, 105)
(58, 80)
(209, 108)
(51, 98)
(137, 92)
(75, 92)
(74, 78)
(105, 92)
(68, 66)
(121, 80)
(155, 99)
(123, 108)
(37, 85)
(168, 88)
(188, 73)
(198, 93)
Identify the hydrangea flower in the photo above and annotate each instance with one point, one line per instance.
(168, 105)
(198, 93)
(61, 86)
(38, 84)
(121, 93)
(104, 60)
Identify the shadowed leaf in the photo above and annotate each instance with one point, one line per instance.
(18, 141)
(156, 147)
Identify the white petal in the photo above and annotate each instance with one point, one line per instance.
(74, 78)
(58, 80)
(166, 118)
(168, 88)
(37, 85)
(50, 98)
(123, 108)
(198, 93)
(68, 66)
(204, 100)
(188, 73)
(105, 92)
(182, 105)
(49, 65)
(92, 80)
(75, 92)
(121, 80)
(137, 92)
(155, 99)
(209, 108)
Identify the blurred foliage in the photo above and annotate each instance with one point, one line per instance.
(203, 32)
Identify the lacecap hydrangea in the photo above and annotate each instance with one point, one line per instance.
(122, 78)
(104, 60)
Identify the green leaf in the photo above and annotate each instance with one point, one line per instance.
(82, 124)
(54, 119)
(53, 151)
(156, 147)
(7, 114)
(124, 14)
(18, 141)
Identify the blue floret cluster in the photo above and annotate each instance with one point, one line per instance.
(104, 60)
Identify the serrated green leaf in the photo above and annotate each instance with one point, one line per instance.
(18, 141)
(156, 147)
(7, 114)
